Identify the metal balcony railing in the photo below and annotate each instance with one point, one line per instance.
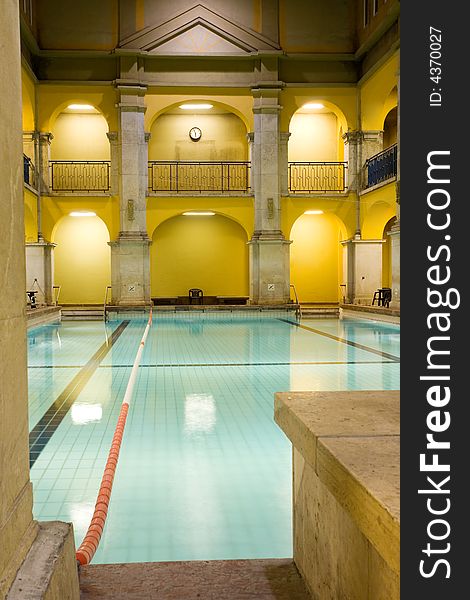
(29, 172)
(317, 177)
(202, 176)
(381, 166)
(80, 176)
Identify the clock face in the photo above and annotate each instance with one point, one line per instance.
(195, 134)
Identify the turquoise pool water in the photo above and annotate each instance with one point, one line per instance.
(204, 472)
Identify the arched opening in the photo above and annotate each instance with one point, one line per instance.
(390, 128)
(316, 149)
(207, 252)
(316, 257)
(80, 134)
(198, 149)
(82, 259)
(387, 255)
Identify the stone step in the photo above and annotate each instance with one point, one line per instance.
(82, 313)
(270, 579)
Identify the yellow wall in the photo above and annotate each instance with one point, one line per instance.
(30, 216)
(80, 137)
(387, 257)
(54, 208)
(376, 95)
(28, 101)
(377, 207)
(160, 100)
(342, 208)
(210, 253)
(313, 137)
(316, 257)
(82, 260)
(223, 138)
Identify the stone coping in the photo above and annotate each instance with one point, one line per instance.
(376, 313)
(42, 315)
(352, 441)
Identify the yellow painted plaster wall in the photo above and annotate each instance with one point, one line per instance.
(342, 208)
(30, 216)
(313, 137)
(54, 208)
(82, 260)
(240, 210)
(80, 137)
(376, 95)
(377, 208)
(315, 259)
(28, 100)
(342, 100)
(223, 138)
(160, 100)
(210, 253)
(53, 99)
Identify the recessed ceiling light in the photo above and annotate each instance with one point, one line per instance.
(201, 213)
(77, 213)
(201, 106)
(313, 105)
(80, 107)
(313, 212)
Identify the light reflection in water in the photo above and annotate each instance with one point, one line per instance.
(86, 413)
(199, 413)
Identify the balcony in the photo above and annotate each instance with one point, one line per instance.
(80, 176)
(29, 172)
(381, 167)
(198, 177)
(317, 177)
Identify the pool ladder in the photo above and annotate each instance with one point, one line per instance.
(298, 308)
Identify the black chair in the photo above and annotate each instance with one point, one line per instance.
(195, 296)
(386, 296)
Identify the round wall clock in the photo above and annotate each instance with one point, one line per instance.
(195, 134)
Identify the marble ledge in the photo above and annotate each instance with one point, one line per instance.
(352, 441)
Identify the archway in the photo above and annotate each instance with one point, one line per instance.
(387, 255)
(207, 252)
(390, 128)
(79, 132)
(82, 259)
(316, 257)
(223, 135)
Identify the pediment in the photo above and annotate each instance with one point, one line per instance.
(198, 30)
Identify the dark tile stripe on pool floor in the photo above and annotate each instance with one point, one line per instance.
(48, 423)
(390, 357)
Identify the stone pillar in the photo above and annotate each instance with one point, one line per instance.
(284, 162)
(44, 177)
(130, 256)
(352, 155)
(18, 530)
(362, 267)
(40, 270)
(114, 155)
(395, 231)
(269, 250)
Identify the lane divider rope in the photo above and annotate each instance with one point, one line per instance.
(92, 538)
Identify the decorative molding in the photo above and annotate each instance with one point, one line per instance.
(198, 30)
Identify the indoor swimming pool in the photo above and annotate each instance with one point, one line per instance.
(204, 472)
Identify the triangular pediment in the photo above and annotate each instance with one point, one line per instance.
(198, 30)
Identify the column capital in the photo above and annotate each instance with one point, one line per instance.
(147, 136)
(284, 136)
(131, 98)
(353, 136)
(112, 136)
(373, 135)
(45, 137)
(250, 136)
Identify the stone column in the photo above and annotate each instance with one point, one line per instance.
(284, 162)
(18, 530)
(130, 256)
(114, 155)
(269, 250)
(44, 177)
(362, 266)
(40, 270)
(352, 155)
